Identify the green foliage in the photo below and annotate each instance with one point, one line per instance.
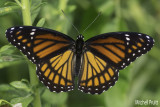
(139, 81)
(4, 103)
(41, 22)
(24, 101)
(9, 56)
(9, 9)
(21, 85)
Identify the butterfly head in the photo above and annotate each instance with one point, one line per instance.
(80, 36)
(79, 43)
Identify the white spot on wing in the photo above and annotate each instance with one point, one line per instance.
(148, 37)
(29, 53)
(127, 38)
(126, 35)
(133, 54)
(33, 29)
(12, 28)
(24, 47)
(32, 33)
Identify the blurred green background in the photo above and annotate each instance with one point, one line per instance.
(139, 81)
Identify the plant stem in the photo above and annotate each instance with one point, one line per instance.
(32, 73)
(26, 12)
(34, 82)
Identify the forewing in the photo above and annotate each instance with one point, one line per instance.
(38, 44)
(119, 49)
(57, 72)
(96, 74)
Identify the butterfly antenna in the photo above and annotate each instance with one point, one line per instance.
(92, 22)
(70, 22)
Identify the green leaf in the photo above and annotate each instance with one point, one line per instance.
(39, 5)
(9, 63)
(17, 1)
(4, 103)
(9, 55)
(25, 81)
(9, 9)
(6, 58)
(10, 3)
(35, 11)
(25, 101)
(41, 22)
(7, 92)
(6, 48)
(20, 85)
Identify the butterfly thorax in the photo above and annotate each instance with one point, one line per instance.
(79, 47)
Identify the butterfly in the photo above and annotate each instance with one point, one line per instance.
(96, 62)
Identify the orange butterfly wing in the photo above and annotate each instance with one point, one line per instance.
(57, 73)
(38, 44)
(105, 54)
(96, 75)
(119, 49)
(52, 51)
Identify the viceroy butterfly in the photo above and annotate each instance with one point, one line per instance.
(96, 61)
